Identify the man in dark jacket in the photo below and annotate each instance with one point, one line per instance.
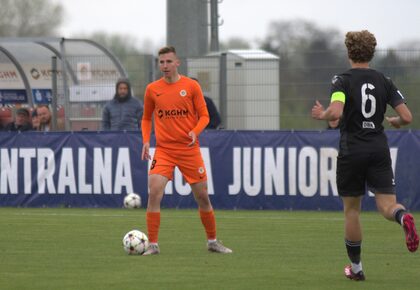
(123, 112)
(21, 122)
(215, 119)
(214, 115)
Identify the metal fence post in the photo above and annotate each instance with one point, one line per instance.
(223, 89)
(64, 69)
(214, 25)
(54, 93)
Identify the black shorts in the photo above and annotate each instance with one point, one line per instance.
(371, 169)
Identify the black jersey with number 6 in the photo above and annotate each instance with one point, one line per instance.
(367, 93)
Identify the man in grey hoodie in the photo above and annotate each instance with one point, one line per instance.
(123, 112)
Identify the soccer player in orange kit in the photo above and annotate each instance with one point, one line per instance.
(180, 114)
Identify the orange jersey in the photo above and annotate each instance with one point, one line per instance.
(178, 109)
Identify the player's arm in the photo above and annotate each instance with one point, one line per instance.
(404, 116)
(333, 112)
(336, 107)
(146, 124)
(202, 112)
(397, 101)
(203, 120)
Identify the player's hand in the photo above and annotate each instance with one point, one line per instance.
(394, 121)
(193, 138)
(145, 152)
(317, 111)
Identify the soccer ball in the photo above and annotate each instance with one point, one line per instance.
(135, 242)
(132, 200)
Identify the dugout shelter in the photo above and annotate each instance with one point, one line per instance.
(77, 89)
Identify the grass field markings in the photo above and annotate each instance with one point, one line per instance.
(166, 213)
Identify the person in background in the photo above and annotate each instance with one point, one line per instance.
(123, 112)
(35, 120)
(21, 122)
(214, 115)
(44, 116)
(360, 97)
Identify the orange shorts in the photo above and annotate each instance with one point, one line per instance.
(189, 161)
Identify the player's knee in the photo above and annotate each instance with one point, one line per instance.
(155, 190)
(352, 211)
(203, 199)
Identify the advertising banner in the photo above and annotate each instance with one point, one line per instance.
(291, 170)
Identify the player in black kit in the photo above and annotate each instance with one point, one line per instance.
(359, 98)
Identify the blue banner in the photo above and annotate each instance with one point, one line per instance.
(13, 96)
(246, 170)
(42, 96)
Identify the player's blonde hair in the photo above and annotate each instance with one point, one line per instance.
(360, 45)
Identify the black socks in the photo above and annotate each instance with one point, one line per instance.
(398, 214)
(353, 250)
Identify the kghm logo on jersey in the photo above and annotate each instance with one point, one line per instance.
(173, 114)
(183, 93)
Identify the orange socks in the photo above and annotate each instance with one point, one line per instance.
(209, 222)
(153, 224)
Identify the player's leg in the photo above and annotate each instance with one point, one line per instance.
(207, 217)
(157, 185)
(160, 173)
(380, 180)
(205, 208)
(351, 176)
(353, 237)
(393, 211)
(387, 205)
(192, 167)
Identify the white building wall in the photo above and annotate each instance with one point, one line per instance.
(253, 101)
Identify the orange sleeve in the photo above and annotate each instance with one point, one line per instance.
(146, 122)
(203, 113)
(203, 120)
(146, 129)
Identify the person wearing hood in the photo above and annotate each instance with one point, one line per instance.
(123, 112)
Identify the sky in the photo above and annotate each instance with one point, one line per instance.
(391, 21)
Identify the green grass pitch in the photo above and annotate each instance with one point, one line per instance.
(80, 249)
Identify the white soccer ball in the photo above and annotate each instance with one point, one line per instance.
(135, 242)
(132, 200)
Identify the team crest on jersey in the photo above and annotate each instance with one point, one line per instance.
(183, 93)
(201, 170)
